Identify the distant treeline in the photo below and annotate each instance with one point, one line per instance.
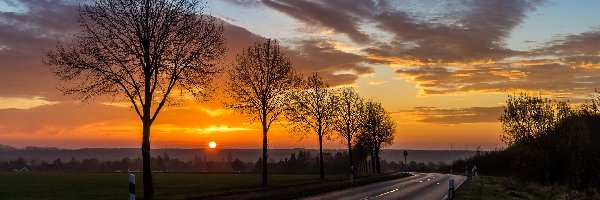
(246, 155)
(550, 142)
(303, 162)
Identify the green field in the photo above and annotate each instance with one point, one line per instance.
(169, 185)
(115, 185)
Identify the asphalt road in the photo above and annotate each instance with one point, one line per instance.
(420, 186)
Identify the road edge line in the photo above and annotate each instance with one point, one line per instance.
(457, 186)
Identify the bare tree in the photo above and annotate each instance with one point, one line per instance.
(378, 130)
(141, 51)
(257, 85)
(384, 137)
(313, 108)
(349, 118)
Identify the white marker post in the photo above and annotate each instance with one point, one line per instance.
(352, 175)
(451, 189)
(131, 187)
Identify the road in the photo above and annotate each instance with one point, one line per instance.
(420, 186)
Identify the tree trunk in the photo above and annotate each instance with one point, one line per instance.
(147, 172)
(146, 118)
(264, 153)
(321, 168)
(350, 155)
(377, 163)
(373, 161)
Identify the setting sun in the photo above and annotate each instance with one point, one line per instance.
(212, 144)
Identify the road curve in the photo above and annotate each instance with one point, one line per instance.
(420, 186)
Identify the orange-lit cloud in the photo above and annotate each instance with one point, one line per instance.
(23, 103)
(452, 116)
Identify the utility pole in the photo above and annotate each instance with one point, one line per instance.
(405, 154)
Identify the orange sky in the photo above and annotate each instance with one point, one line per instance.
(443, 70)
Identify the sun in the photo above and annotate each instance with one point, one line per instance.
(212, 144)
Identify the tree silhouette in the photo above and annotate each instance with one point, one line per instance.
(142, 51)
(377, 131)
(313, 107)
(405, 153)
(257, 85)
(525, 117)
(349, 118)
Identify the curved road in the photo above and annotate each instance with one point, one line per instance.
(419, 186)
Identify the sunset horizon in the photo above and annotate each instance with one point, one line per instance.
(443, 70)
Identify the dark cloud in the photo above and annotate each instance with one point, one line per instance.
(455, 116)
(575, 50)
(310, 55)
(245, 2)
(23, 35)
(321, 56)
(476, 34)
(326, 14)
(581, 44)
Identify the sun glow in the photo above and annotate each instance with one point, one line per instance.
(212, 145)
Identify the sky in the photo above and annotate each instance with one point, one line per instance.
(443, 69)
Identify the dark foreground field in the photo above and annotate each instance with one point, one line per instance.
(492, 187)
(167, 185)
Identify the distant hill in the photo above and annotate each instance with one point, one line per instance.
(246, 155)
(6, 148)
(425, 156)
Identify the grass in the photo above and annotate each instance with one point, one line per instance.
(303, 190)
(167, 185)
(491, 187)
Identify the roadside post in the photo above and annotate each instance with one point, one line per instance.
(131, 187)
(474, 170)
(451, 189)
(352, 175)
(405, 164)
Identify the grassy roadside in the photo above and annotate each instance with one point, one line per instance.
(491, 187)
(167, 185)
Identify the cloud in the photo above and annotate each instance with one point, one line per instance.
(550, 78)
(579, 44)
(179, 129)
(59, 117)
(24, 33)
(220, 129)
(476, 35)
(377, 82)
(325, 14)
(568, 66)
(338, 67)
(245, 3)
(453, 116)
(307, 55)
(216, 112)
(580, 50)
(23, 102)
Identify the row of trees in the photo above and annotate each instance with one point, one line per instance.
(264, 86)
(552, 142)
(147, 52)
